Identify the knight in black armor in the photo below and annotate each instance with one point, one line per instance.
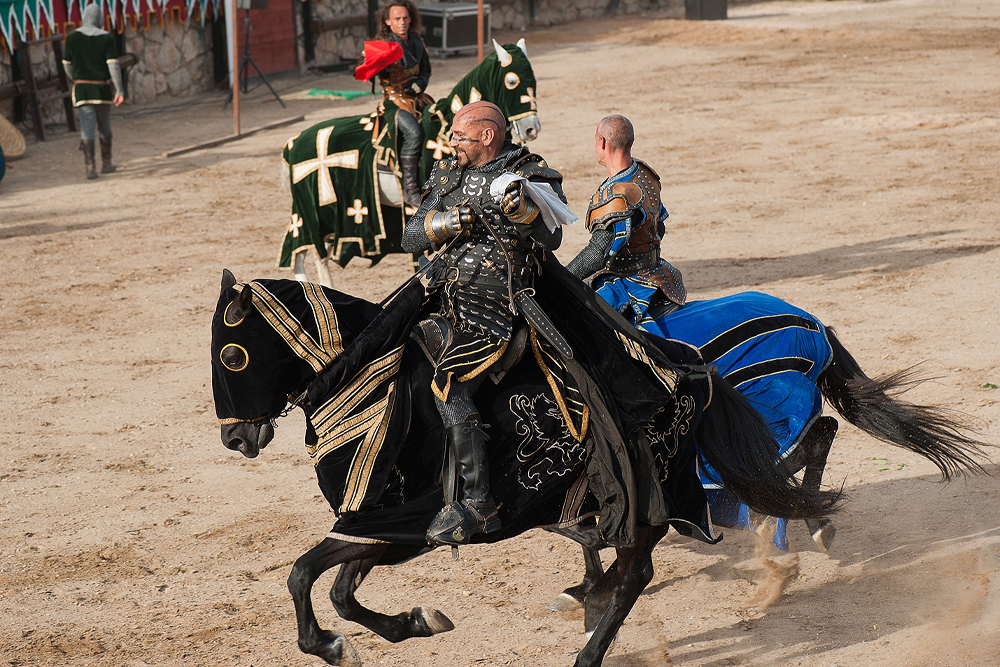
(403, 84)
(492, 244)
(627, 221)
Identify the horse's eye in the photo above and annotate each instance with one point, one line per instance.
(234, 357)
(233, 316)
(512, 80)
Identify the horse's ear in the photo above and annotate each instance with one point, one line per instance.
(241, 305)
(228, 279)
(502, 55)
(523, 46)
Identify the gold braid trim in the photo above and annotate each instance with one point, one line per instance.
(560, 400)
(234, 420)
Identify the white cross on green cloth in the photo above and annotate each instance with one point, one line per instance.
(322, 164)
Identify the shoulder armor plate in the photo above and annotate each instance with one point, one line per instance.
(609, 205)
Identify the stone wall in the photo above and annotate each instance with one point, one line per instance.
(174, 61)
(334, 46)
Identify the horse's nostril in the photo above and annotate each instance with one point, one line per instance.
(234, 444)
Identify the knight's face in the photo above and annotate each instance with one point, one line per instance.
(469, 141)
(399, 21)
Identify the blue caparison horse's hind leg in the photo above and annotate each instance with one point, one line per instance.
(816, 443)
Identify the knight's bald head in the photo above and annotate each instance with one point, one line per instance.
(482, 112)
(477, 133)
(618, 132)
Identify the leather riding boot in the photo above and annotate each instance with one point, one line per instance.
(409, 165)
(107, 166)
(476, 513)
(87, 146)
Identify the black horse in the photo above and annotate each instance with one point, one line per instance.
(363, 381)
(872, 405)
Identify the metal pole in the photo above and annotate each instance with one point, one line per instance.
(234, 66)
(479, 29)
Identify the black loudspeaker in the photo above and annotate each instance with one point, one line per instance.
(251, 4)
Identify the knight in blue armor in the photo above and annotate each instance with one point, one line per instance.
(490, 258)
(626, 219)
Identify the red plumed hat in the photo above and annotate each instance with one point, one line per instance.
(378, 56)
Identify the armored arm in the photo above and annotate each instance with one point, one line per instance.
(433, 224)
(592, 258)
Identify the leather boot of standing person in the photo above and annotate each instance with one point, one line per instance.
(89, 161)
(107, 166)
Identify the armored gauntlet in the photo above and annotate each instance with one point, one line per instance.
(443, 225)
(517, 206)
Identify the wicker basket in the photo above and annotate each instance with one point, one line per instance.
(11, 139)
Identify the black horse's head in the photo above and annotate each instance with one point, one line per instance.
(270, 338)
(253, 370)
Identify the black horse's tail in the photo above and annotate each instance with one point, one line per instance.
(736, 441)
(934, 433)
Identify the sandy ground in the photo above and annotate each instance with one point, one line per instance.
(840, 155)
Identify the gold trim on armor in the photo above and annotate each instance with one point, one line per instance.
(429, 228)
(529, 215)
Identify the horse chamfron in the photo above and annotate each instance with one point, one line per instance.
(377, 442)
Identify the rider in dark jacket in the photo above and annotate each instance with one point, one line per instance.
(403, 84)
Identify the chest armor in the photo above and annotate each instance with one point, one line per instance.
(479, 259)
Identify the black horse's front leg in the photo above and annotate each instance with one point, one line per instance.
(589, 537)
(615, 595)
(333, 647)
(419, 622)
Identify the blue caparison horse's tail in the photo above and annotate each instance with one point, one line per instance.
(937, 434)
(735, 441)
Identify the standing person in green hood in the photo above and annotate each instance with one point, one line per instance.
(91, 61)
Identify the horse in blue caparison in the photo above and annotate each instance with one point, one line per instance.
(377, 442)
(347, 200)
(785, 361)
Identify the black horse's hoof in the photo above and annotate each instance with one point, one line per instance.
(822, 531)
(565, 602)
(334, 649)
(431, 620)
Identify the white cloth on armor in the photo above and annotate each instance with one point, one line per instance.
(554, 212)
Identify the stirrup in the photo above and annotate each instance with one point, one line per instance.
(459, 522)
